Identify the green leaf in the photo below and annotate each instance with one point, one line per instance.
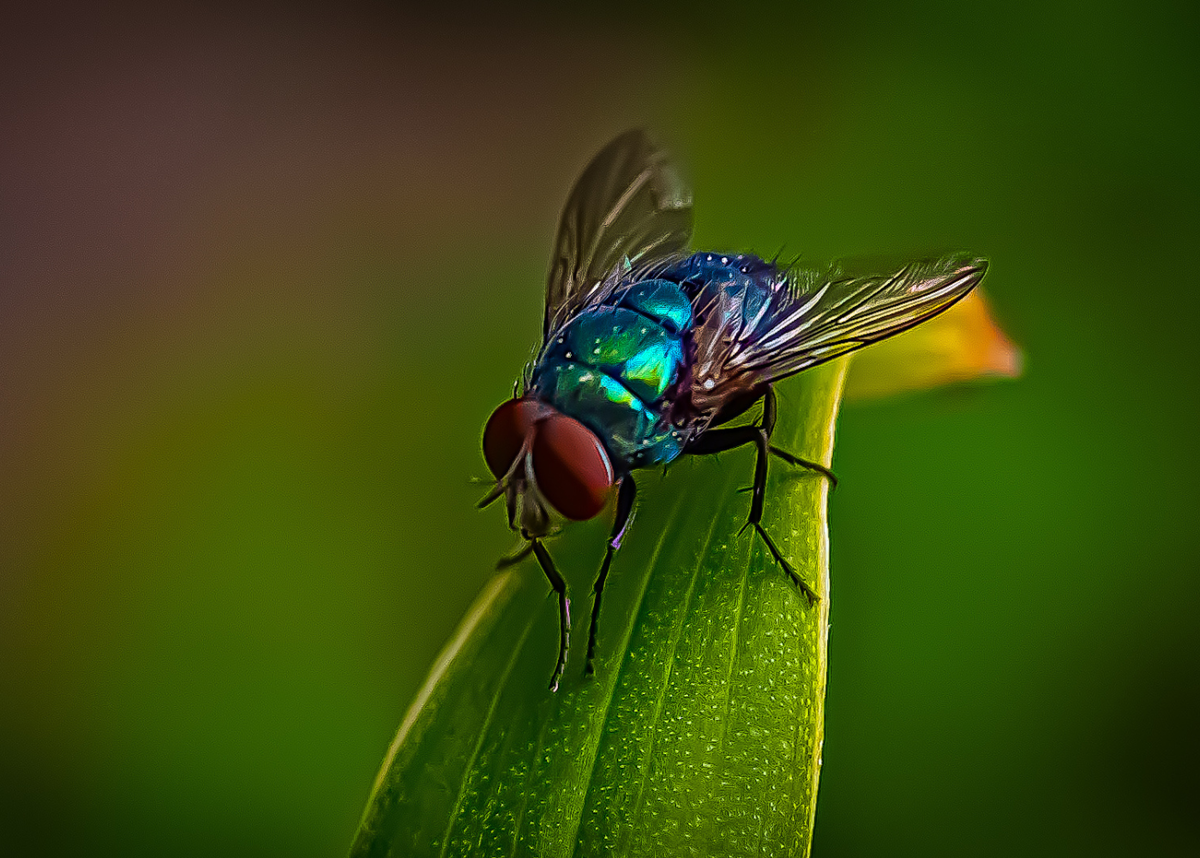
(700, 732)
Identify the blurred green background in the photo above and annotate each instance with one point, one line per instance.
(265, 270)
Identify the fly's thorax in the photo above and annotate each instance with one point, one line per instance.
(615, 367)
(627, 346)
(661, 301)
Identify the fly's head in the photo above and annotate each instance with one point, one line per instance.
(544, 460)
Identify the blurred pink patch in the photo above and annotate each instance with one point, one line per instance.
(962, 344)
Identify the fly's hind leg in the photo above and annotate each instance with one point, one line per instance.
(718, 440)
(768, 426)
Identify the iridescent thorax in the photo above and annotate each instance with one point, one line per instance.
(615, 366)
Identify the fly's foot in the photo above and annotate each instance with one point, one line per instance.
(805, 463)
(808, 591)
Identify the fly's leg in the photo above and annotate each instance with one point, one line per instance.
(625, 499)
(756, 509)
(564, 609)
(514, 558)
(805, 463)
(768, 426)
(719, 440)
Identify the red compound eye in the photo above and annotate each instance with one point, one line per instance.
(572, 468)
(505, 433)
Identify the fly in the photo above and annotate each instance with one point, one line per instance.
(649, 349)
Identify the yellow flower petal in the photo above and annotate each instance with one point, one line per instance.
(961, 344)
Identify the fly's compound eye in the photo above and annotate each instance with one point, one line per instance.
(571, 466)
(505, 434)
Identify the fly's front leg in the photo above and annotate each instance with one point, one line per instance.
(514, 558)
(564, 609)
(625, 499)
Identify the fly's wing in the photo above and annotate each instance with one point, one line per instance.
(814, 316)
(629, 204)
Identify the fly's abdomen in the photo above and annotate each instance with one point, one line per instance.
(613, 366)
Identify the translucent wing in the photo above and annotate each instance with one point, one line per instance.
(630, 203)
(814, 316)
